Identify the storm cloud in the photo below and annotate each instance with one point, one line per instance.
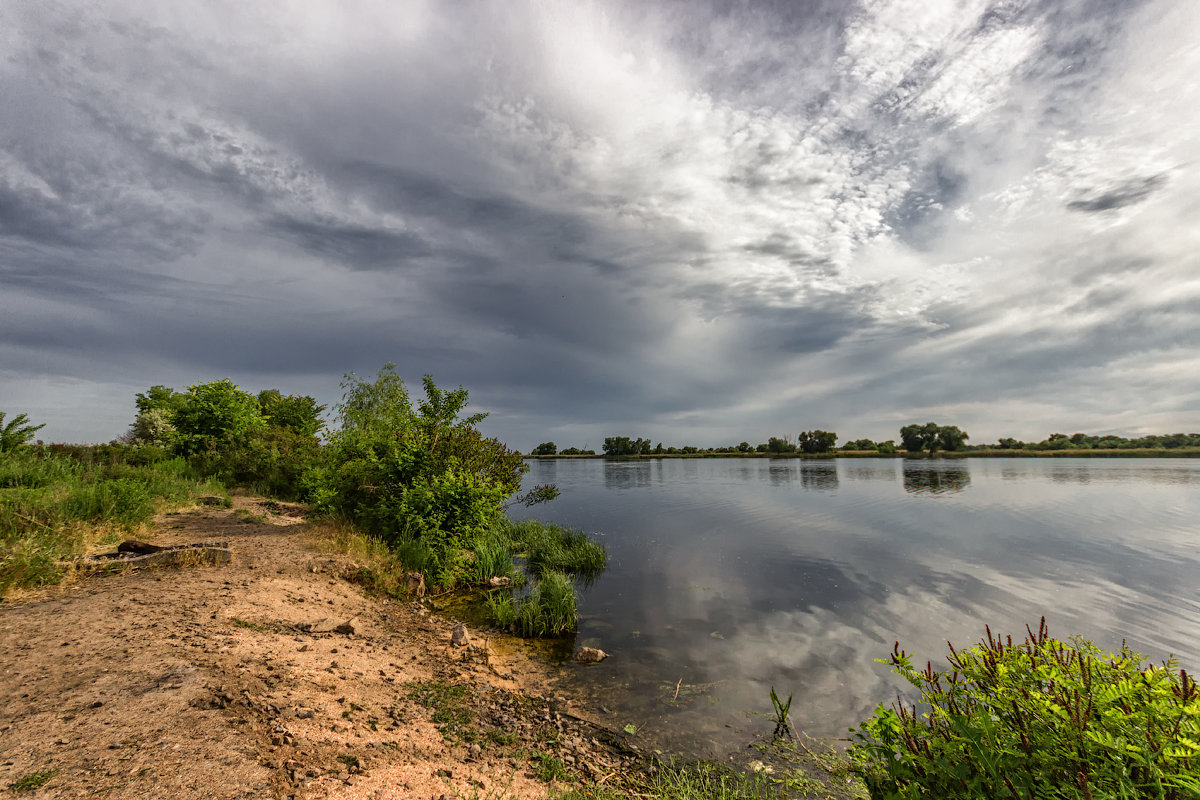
(697, 222)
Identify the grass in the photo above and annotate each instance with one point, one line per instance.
(548, 610)
(54, 506)
(548, 768)
(33, 781)
(452, 714)
(382, 571)
(552, 548)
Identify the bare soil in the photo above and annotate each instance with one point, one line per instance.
(273, 676)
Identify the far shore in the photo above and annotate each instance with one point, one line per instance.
(1188, 452)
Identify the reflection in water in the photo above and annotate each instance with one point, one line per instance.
(728, 577)
(781, 472)
(1062, 473)
(869, 469)
(819, 475)
(626, 474)
(936, 476)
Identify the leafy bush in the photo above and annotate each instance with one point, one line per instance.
(1042, 718)
(417, 475)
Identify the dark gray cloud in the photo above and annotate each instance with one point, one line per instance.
(705, 219)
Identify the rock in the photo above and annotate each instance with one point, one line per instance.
(499, 581)
(305, 713)
(323, 625)
(346, 627)
(460, 638)
(589, 655)
(414, 584)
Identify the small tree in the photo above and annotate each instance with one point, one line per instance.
(300, 414)
(17, 432)
(213, 414)
(545, 449)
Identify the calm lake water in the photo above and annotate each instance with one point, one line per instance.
(730, 576)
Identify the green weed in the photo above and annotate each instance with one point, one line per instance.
(549, 610)
(1038, 718)
(33, 781)
(57, 502)
(549, 768)
(451, 713)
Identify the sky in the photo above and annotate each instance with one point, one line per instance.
(697, 222)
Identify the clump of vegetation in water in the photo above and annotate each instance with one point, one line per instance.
(552, 548)
(551, 554)
(548, 610)
(1039, 718)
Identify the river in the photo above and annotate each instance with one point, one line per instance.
(731, 576)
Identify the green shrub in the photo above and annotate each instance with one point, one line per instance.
(417, 474)
(1042, 718)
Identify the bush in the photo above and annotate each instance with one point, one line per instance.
(422, 479)
(1042, 718)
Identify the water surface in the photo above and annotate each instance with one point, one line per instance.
(730, 576)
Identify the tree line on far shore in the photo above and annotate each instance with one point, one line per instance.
(916, 438)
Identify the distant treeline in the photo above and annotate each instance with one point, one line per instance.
(916, 438)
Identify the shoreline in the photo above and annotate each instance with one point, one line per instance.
(276, 675)
(952, 455)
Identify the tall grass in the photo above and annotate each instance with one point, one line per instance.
(54, 505)
(552, 554)
(548, 610)
(547, 547)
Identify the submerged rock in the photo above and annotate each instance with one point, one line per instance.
(589, 655)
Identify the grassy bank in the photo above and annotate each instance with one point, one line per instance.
(536, 565)
(59, 503)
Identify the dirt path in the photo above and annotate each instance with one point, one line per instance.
(231, 681)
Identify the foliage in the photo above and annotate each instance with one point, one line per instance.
(780, 445)
(299, 414)
(265, 442)
(575, 451)
(1042, 718)
(17, 432)
(818, 441)
(1083, 441)
(624, 446)
(860, 444)
(548, 610)
(932, 437)
(211, 415)
(55, 501)
(545, 449)
(420, 478)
